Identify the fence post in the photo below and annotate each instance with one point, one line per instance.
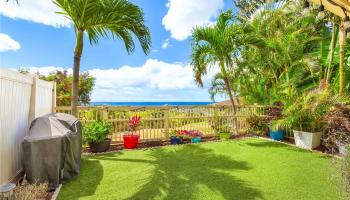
(105, 114)
(166, 121)
(33, 100)
(54, 97)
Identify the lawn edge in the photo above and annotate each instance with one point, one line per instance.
(57, 191)
(217, 141)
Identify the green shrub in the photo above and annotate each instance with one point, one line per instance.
(257, 124)
(307, 112)
(96, 131)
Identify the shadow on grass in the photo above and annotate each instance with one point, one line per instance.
(272, 144)
(182, 172)
(86, 183)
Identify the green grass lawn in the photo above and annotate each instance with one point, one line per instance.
(238, 169)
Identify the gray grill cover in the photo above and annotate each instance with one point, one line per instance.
(52, 150)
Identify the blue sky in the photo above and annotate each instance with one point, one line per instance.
(33, 36)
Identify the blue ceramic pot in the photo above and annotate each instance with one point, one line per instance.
(175, 140)
(196, 140)
(277, 135)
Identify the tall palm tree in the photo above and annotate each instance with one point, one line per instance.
(331, 51)
(116, 19)
(214, 45)
(342, 42)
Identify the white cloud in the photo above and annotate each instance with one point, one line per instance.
(166, 43)
(39, 11)
(8, 44)
(47, 70)
(155, 80)
(184, 15)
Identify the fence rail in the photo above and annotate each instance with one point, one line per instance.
(157, 121)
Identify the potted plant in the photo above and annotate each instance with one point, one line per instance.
(276, 131)
(95, 135)
(131, 138)
(224, 135)
(196, 136)
(175, 138)
(305, 117)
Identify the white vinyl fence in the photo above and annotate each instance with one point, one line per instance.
(22, 98)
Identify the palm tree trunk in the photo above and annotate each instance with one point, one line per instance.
(76, 69)
(342, 38)
(331, 54)
(229, 92)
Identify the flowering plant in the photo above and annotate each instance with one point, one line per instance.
(189, 134)
(134, 123)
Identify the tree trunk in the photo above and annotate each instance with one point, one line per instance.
(342, 38)
(331, 54)
(229, 91)
(76, 69)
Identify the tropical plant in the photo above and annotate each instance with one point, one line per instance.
(337, 127)
(96, 131)
(307, 112)
(213, 45)
(257, 124)
(134, 123)
(116, 19)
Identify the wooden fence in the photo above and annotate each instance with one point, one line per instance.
(158, 121)
(22, 98)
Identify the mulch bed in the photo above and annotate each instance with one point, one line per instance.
(158, 143)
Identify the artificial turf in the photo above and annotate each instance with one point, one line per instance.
(238, 169)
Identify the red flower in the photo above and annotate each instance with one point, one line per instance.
(134, 122)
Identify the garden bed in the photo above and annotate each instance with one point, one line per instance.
(248, 168)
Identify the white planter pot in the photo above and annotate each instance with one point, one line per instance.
(307, 140)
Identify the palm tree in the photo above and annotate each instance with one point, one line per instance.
(116, 19)
(215, 45)
(342, 42)
(218, 85)
(331, 51)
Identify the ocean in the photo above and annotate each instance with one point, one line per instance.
(149, 103)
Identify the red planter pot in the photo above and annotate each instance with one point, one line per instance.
(131, 141)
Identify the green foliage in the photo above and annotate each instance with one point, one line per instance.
(307, 112)
(219, 123)
(280, 54)
(215, 45)
(96, 131)
(64, 86)
(224, 135)
(115, 19)
(257, 124)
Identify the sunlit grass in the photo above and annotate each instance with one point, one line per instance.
(237, 169)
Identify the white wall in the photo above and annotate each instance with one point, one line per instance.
(22, 98)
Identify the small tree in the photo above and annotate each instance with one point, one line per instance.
(64, 90)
